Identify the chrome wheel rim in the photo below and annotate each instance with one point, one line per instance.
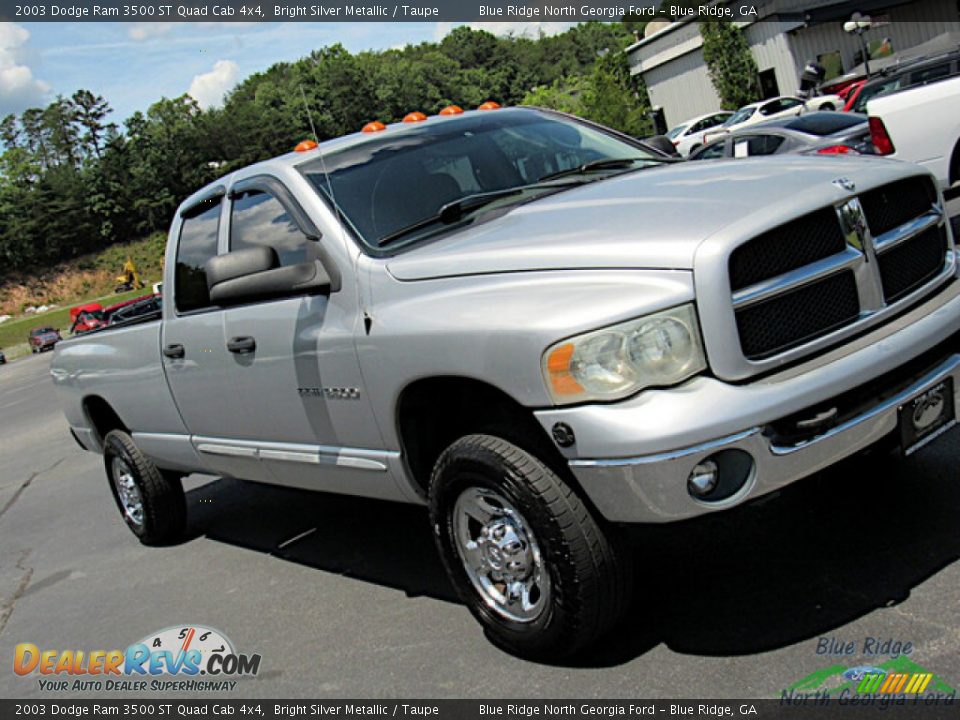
(128, 492)
(500, 555)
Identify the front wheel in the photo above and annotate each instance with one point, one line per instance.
(152, 502)
(524, 553)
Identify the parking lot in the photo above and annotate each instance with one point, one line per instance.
(347, 597)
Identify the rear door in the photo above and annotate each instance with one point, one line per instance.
(194, 352)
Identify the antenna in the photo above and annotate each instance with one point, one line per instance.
(306, 105)
(323, 164)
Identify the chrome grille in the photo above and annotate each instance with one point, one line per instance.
(836, 267)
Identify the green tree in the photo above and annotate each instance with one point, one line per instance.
(565, 95)
(731, 66)
(615, 98)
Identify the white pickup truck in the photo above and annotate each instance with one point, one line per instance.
(922, 125)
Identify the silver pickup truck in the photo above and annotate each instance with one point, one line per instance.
(539, 328)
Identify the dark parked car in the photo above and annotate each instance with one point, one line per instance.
(144, 306)
(3, 358)
(43, 338)
(822, 133)
(915, 72)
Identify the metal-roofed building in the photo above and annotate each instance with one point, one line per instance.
(786, 35)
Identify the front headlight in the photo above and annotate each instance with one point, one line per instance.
(659, 349)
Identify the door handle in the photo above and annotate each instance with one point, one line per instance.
(242, 345)
(174, 352)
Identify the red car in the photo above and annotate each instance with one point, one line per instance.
(43, 338)
(84, 318)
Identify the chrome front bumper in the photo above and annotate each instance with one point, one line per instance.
(650, 484)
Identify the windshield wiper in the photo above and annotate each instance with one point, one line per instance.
(456, 210)
(605, 164)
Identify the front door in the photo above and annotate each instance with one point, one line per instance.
(297, 369)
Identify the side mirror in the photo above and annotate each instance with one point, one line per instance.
(255, 275)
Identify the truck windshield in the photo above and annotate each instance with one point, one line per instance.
(397, 182)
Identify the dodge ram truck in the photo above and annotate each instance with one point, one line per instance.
(541, 329)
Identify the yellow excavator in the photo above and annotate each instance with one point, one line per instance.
(130, 278)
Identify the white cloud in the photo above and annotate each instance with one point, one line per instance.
(147, 30)
(209, 88)
(18, 87)
(521, 29)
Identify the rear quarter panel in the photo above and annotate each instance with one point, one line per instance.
(122, 366)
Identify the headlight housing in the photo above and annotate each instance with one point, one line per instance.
(660, 349)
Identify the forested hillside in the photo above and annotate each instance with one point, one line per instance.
(75, 179)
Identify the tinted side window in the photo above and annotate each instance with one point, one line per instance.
(756, 145)
(198, 243)
(257, 219)
(930, 74)
(710, 152)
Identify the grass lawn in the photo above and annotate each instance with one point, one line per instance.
(13, 333)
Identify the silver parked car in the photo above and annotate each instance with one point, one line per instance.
(822, 133)
(537, 328)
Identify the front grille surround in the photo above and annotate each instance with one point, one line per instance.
(826, 291)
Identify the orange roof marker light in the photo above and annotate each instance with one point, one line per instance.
(374, 126)
(489, 105)
(452, 110)
(305, 146)
(414, 117)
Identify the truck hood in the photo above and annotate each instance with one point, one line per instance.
(654, 218)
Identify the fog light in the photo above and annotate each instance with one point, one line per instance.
(703, 479)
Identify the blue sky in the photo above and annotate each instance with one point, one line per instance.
(134, 64)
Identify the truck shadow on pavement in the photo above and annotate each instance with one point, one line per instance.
(789, 568)
(386, 543)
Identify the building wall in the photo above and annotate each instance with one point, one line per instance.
(682, 88)
(671, 61)
(909, 25)
(770, 47)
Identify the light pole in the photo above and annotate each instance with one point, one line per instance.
(857, 25)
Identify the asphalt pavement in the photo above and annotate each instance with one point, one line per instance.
(345, 597)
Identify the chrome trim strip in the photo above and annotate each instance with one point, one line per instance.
(908, 230)
(794, 279)
(669, 455)
(227, 450)
(360, 463)
(892, 403)
(323, 458)
(355, 458)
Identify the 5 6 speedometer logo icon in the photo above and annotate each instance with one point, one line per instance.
(188, 650)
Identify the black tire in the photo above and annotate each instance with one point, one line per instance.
(164, 506)
(590, 575)
(827, 107)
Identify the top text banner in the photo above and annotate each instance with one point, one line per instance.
(395, 11)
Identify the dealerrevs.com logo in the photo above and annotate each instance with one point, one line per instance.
(178, 658)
